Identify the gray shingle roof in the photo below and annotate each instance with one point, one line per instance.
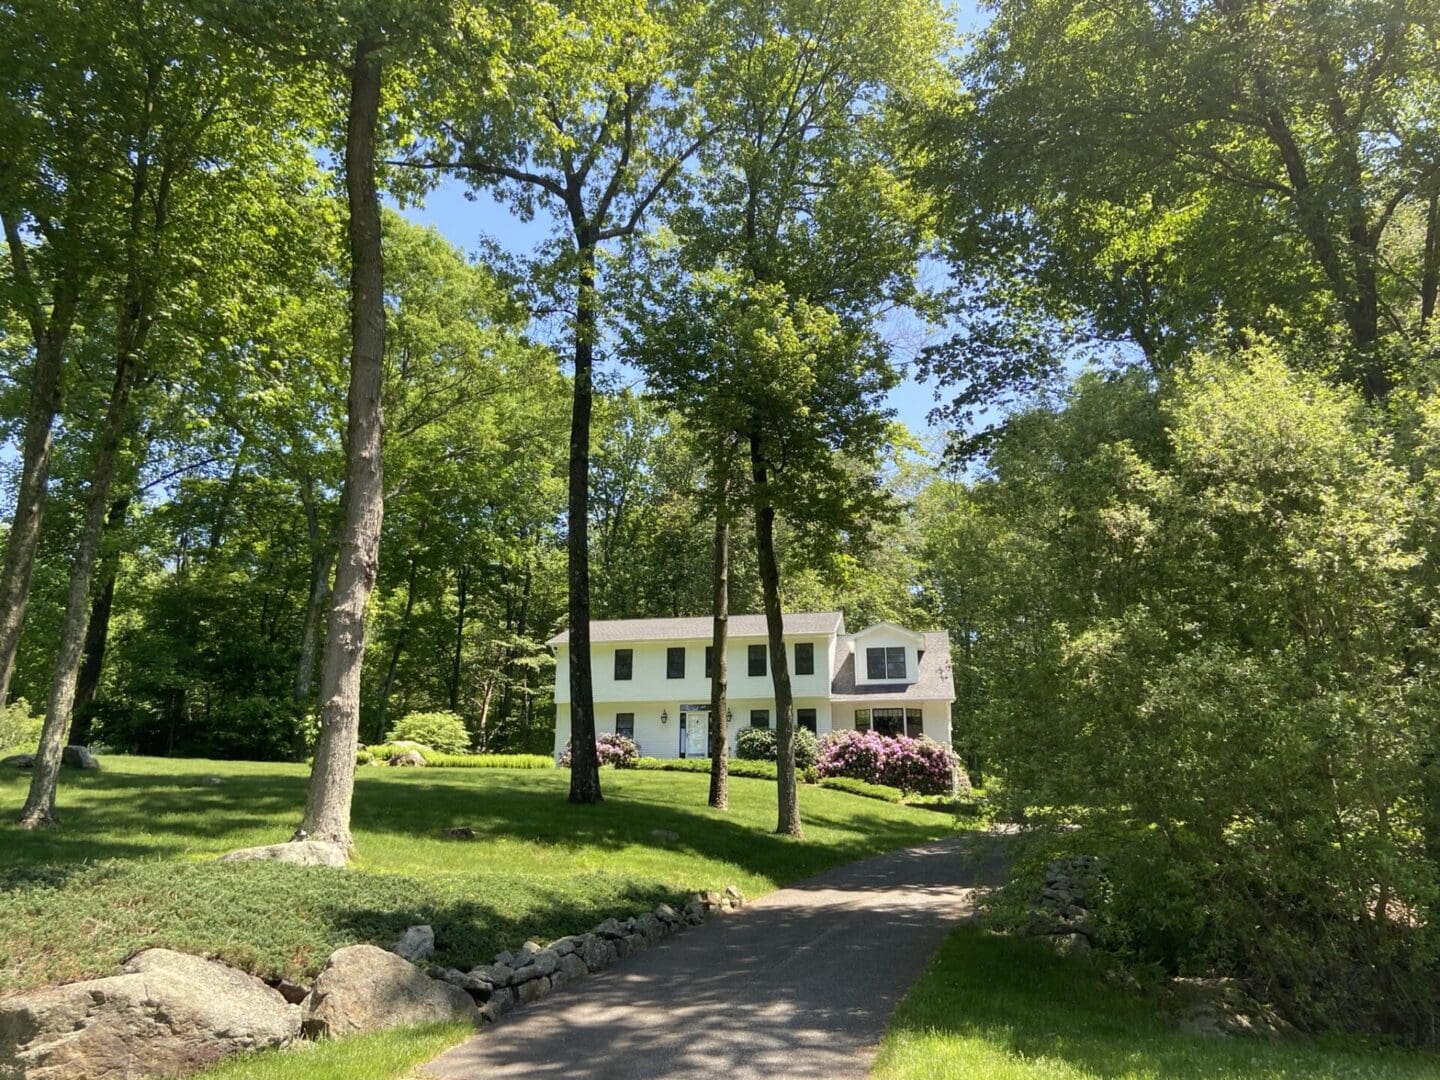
(799, 623)
(933, 682)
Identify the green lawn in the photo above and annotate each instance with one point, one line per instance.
(134, 863)
(1006, 1009)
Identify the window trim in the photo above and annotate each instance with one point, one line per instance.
(893, 668)
(752, 654)
(764, 715)
(629, 655)
(800, 719)
(628, 734)
(671, 653)
(709, 661)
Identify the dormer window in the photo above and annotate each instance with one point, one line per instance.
(887, 663)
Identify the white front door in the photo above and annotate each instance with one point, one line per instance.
(694, 734)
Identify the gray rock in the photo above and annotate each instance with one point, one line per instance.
(409, 759)
(651, 927)
(365, 988)
(18, 761)
(526, 953)
(298, 852)
(636, 942)
(610, 928)
(79, 757)
(566, 945)
(506, 957)
(612, 954)
(594, 952)
(477, 988)
(571, 969)
(500, 1003)
(666, 914)
(735, 894)
(533, 990)
(211, 781)
(541, 964)
(416, 943)
(621, 947)
(460, 832)
(165, 1014)
(494, 974)
(1070, 944)
(666, 835)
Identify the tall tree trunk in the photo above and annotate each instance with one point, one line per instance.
(97, 633)
(40, 804)
(1430, 271)
(402, 633)
(321, 559)
(332, 779)
(720, 638)
(788, 819)
(463, 580)
(584, 758)
(508, 699)
(49, 337)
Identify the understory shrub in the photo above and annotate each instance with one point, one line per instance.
(617, 750)
(442, 731)
(919, 765)
(18, 729)
(759, 744)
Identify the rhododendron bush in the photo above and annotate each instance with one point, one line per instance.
(920, 765)
(617, 750)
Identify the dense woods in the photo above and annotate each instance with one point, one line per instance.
(283, 466)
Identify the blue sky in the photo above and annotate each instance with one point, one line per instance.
(465, 222)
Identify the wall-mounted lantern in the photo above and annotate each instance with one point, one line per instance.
(664, 716)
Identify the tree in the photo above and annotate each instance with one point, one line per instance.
(191, 101)
(595, 120)
(803, 229)
(1173, 174)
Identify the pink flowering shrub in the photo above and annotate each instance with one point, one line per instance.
(613, 749)
(919, 765)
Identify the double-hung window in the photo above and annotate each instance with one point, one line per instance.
(806, 718)
(625, 724)
(675, 663)
(755, 657)
(760, 718)
(804, 658)
(709, 661)
(624, 664)
(885, 663)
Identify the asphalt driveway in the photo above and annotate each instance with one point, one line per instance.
(801, 983)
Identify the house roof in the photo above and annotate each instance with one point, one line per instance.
(799, 623)
(933, 681)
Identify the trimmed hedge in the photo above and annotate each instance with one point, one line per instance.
(384, 752)
(863, 788)
(754, 770)
(760, 744)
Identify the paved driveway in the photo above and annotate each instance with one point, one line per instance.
(799, 984)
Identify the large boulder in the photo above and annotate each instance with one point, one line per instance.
(365, 988)
(18, 761)
(412, 758)
(168, 1013)
(298, 852)
(79, 757)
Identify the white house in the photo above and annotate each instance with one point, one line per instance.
(652, 679)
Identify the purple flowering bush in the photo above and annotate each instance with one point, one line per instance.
(918, 765)
(617, 750)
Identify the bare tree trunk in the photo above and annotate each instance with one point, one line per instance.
(463, 580)
(507, 700)
(50, 337)
(720, 638)
(1430, 271)
(40, 804)
(332, 779)
(97, 633)
(584, 758)
(321, 559)
(402, 633)
(788, 820)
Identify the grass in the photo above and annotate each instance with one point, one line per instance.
(379, 1056)
(133, 864)
(1006, 1009)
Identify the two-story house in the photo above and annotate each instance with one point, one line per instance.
(652, 679)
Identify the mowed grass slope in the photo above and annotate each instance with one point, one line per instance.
(1008, 1009)
(133, 864)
